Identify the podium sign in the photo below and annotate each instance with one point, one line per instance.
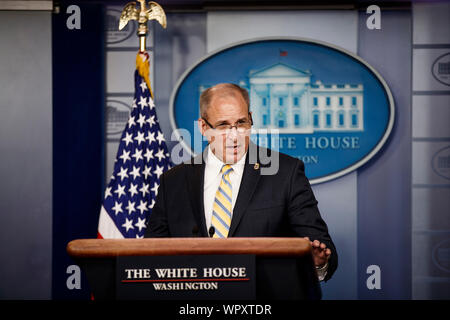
(198, 268)
(189, 277)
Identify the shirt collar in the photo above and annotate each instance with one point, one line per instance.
(215, 164)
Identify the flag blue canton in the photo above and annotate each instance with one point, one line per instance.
(141, 159)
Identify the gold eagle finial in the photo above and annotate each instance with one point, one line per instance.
(153, 12)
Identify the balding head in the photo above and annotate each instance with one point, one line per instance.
(221, 90)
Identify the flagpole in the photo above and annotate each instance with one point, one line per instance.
(142, 40)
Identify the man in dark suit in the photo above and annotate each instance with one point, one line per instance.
(229, 191)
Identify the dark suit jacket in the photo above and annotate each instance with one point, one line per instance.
(279, 205)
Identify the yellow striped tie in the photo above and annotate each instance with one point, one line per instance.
(221, 216)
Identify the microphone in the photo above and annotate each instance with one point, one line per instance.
(195, 231)
(211, 231)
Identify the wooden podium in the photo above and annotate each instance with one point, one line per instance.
(283, 267)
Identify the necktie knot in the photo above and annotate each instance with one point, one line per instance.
(226, 169)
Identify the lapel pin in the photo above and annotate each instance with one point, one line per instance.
(256, 167)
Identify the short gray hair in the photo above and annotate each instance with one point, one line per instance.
(223, 90)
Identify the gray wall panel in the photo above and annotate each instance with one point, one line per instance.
(26, 155)
(384, 193)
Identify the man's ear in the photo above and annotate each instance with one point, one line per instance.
(201, 126)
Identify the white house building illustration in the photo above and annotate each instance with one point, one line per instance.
(284, 98)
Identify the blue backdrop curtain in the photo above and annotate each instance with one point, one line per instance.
(78, 135)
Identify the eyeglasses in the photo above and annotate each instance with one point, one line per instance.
(241, 126)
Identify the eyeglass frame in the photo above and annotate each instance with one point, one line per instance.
(228, 130)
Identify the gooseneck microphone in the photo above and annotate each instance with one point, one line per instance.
(211, 231)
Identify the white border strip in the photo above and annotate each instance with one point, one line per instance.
(27, 5)
(322, 43)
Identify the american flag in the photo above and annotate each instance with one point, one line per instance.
(141, 160)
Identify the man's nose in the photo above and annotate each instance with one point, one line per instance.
(232, 133)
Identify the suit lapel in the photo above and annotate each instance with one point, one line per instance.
(195, 182)
(250, 178)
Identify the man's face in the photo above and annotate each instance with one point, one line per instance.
(230, 145)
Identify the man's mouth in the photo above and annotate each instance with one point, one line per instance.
(233, 149)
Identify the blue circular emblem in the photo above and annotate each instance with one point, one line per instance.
(441, 162)
(114, 36)
(440, 68)
(328, 107)
(440, 254)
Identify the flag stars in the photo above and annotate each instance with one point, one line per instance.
(131, 122)
(144, 189)
(158, 171)
(149, 155)
(128, 224)
(137, 155)
(150, 137)
(141, 120)
(133, 189)
(140, 224)
(155, 189)
(128, 138)
(123, 173)
(139, 138)
(143, 102)
(160, 155)
(151, 120)
(152, 204)
(130, 207)
(120, 191)
(142, 207)
(151, 103)
(117, 207)
(125, 156)
(143, 86)
(135, 172)
(108, 192)
(146, 172)
(160, 137)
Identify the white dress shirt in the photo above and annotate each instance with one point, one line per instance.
(213, 175)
